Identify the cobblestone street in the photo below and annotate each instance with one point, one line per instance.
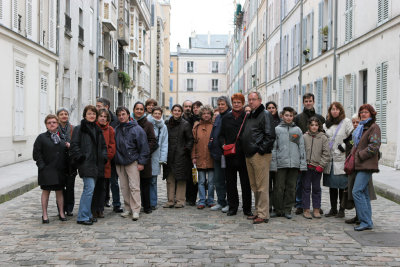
(187, 237)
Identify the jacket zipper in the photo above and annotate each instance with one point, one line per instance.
(312, 144)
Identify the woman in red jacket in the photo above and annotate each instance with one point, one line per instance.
(99, 190)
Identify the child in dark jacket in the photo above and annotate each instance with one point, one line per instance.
(317, 156)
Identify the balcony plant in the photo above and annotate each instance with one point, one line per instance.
(125, 78)
(306, 53)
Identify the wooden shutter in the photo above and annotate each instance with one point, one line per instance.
(1, 12)
(329, 24)
(52, 26)
(383, 11)
(319, 96)
(304, 37)
(43, 102)
(312, 35)
(329, 91)
(349, 20)
(41, 40)
(320, 25)
(303, 92)
(28, 19)
(19, 101)
(381, 99)
(340, 90)
(14, 7)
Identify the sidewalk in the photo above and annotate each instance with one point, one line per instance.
(16, 179)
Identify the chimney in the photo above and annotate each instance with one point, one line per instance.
(209, 39)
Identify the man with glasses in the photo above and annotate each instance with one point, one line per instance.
(257, 142)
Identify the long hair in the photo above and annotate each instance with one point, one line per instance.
(315, 119)
(370, 109)
(339, 106)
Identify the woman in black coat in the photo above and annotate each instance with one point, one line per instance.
(89, 154)
(146, 174)
(50, 153)
(180, 143)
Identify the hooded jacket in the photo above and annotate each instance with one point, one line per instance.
(161, 153)
(317, 149)
(131, 144)
(288, 151)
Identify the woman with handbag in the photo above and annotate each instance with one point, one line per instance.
(201, 157)
(367, 141)
(231, 128)
(337, 127)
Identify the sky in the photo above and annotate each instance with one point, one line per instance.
(202, 16)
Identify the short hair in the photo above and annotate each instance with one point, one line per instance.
(226, 99)
(157, 108)
(138, 103)
(90, 108)
(105, 101)
(238, 96)
(50, 116)
(257, 93)
(355, 116)
(318, 121)
(339, 106)
(120, 109)
(103, 110)
(191, 103)
(60, 110)
(288, 109)
(308, 95)
(177, 106)
(370, 109)
(205, 109)
(271, 102)
(150, 101)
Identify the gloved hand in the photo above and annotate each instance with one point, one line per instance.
(319, 169)
(341, 148)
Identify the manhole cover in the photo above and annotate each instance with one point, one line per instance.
(205, 226)
(376, 239)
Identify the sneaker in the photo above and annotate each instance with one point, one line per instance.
(135, 216)
(307, 214)
(126, 214)
(225, 209)
(288, 216)
(216, 207)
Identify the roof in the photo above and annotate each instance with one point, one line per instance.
(209, 41)
(202, 51)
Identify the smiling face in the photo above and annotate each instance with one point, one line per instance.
(138, 111)
(222, 106)
(149, 108)
(237, 105)
(52, 125)
(314, 127)
(102, 119)
(308, 103)
(335, 112)
(157, 115)
(288, 117)
(364, 114)
(123, 117)
(176, 113)
(63, 117)
(90, 116)
(271, 108)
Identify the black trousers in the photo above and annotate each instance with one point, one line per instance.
(333, 195)
(107, 190)
(99, 195)
(145, 183)
(69, 193)
(271, 189)
(191, 189)
(233, 166)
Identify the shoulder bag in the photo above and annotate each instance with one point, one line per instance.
(230, 149)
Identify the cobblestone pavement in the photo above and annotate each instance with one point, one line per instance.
(187, 237)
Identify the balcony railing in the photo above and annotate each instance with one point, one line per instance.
(81, 34)
(67, 23)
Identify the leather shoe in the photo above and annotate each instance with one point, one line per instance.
(231, 213)
(45, 221)
(288, 216)
(107, 204)
(362, 228)
(299, 211)
(248, 213)
(352, 220)
(93, 219)
(260, 220)
(252, 217)
(69, 213)
(118, 210)
(62, 219)
(148, 211)
(85, 222)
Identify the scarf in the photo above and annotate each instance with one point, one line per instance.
(144, 115)
(55, 137)
(236, 114)
(332, 121)
(359, 131)
(66, 131)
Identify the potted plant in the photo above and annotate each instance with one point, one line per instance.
(324, 32)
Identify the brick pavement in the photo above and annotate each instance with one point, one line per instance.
(187, 237)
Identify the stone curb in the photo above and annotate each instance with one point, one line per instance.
(387, 192)
(18, 189)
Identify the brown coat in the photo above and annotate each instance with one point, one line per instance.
(367, 151)
(201, 133)
(317, 149)
(109, 137)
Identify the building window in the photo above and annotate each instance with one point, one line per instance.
(383, 11)
(349, 21)
(214, 87)
(171, 102)
(189, 66)
(171, 67)
(214, 102)
(19, 102)
(189, 85)
(215, 67)
(381, 98)
(171, 85)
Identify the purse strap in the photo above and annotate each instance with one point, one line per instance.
(334, 135)
(237, 137)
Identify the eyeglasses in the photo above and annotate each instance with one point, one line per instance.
(253, 99)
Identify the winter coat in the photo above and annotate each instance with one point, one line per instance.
(317, 149)
(114, 120)
(180, 143)
(51, 159)
(201, 136)
(131, 144)
(88, 150)
(214, 146)
(161, 153)
(109, 137)
(288, 151)
(152, 141)
(338, 157)
(367, 152)
(258, 133)
(301, 120)
(229, 130)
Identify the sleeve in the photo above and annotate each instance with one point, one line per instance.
(163, 144)
(194, 154)
(111, 144)
(325, 157)
(269, 134)
(103, 148)
(142, 145)
(37, 153)
(75, 147)
(302, 150)
(151, 137)
(273, 165)
(374, 143)
(188, 135)
(348, 129)
(221, 136)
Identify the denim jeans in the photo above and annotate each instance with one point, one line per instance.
(85, 212)
(361, 198)
(202, 187)
(153, 191)
(219, 182)
(115, 187)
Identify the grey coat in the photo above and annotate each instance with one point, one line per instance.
(288, 151)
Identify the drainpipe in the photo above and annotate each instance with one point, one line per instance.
(301, 47)
(98, 36)
(257, 52)
(266, 49)
(335, 47)
(280, 45)
(57, 82)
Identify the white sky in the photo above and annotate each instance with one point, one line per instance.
(201, 16)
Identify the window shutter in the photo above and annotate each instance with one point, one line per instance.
(14, 15)
(349, 20)
(329, 91)
(52, 26)
(312, 36)
(194, 85)
(41, 22)
(43, 102)
(91, 29)
(19, 102)
(319, 96)
(295, 98)
(383, 11)
(351, 95)
(28, 19)
(340, 91)
(1, 12)
(320, 22)
(303, 92)
(381, 99)
(304, 37)
(329, 24)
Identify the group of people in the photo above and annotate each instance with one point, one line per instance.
(280, 157)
